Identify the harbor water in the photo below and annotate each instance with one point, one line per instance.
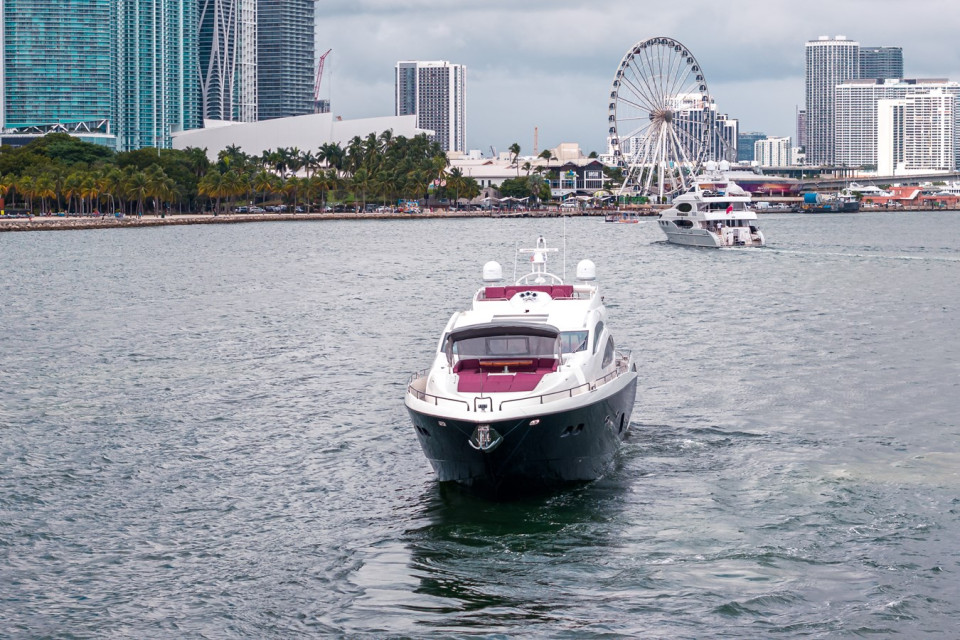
(202, 434)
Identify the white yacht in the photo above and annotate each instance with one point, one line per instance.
(527, 389)
(715, 212)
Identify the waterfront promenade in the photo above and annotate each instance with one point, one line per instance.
(63, 223)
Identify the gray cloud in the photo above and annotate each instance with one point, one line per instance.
(549, 64)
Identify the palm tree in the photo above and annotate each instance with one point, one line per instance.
(156, 185)
(6, 186)
(515, 152)
(292, 187)
(333, 154)
(88, 189)
(212, 185)
(137, 186)
(71, 189)
(26, 185)
(310, 162)
(45, 188)
(110, 184)
(237, 184)
(263, 183)
(361, 182)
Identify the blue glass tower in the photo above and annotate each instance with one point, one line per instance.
(58, 66)
(158, 87)
(124, 72)
(285, 58)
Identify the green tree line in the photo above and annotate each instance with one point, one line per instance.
(60, 172)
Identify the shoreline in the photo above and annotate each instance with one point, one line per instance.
(70, 223)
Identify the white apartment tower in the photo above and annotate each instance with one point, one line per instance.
(918, 133)
(772, 152)
(856, 113)
(434, 91)
(829, 62)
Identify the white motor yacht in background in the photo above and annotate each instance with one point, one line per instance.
(527, 389)
(715, 212)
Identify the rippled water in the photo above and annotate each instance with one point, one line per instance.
(203, 434)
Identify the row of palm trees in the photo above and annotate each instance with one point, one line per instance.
(377, 168)
(90, 190)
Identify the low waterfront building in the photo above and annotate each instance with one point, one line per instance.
(307, 132)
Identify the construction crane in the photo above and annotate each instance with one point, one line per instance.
(319, 105)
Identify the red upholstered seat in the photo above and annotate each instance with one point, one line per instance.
(526, 381)
(470, 382)
(497, 382)
(554, 291)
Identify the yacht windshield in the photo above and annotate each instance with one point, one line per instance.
(504, 346)
(499, 341)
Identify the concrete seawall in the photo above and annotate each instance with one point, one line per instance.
(61, 223)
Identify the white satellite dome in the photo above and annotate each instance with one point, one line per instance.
(586, 270)
(492, 272)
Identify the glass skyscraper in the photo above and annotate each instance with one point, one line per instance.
(285, 58)
(125, 70)
(879, 63)
(58, 66)
(157, 70)
(228, 59)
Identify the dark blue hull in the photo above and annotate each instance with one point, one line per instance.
(568, 447)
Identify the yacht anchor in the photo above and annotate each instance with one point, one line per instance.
(485, 439)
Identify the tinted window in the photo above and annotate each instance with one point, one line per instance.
(596, 336)
(608, 353)
(573, 341)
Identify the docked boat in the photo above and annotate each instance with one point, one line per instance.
(624, 217)
(715, 212)
(527, 389)
(839, 203)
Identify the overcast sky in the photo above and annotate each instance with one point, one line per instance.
(550, 63)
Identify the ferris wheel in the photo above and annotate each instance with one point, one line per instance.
(661, 121)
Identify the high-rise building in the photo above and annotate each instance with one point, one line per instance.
(773, 152)
(745, 142)
(228, 59)
(881, 62)
(434, 91)
(120, 72)
(829, 62)
(58, 74)
(701, 123)
(856, 132)
(158, 91)
(919, 133)
(285, 58)
(801, 127)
